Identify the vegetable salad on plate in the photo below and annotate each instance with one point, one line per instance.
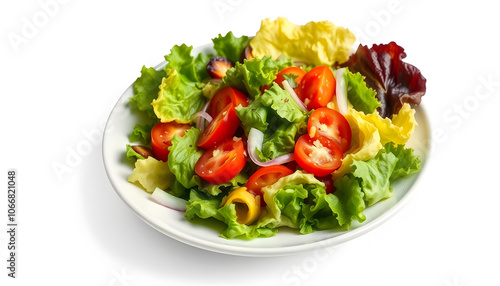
(292, 127)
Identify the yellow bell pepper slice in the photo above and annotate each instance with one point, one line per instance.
(247, 206)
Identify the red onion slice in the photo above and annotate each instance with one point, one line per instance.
(255, 139)
(201, 116)
(297, 100)
(167, 200)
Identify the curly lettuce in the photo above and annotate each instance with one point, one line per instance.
(319, 43)
(229, 46)
(178, 100)
(146, 89)
(254, 73)
(150, 174)
(184, 153)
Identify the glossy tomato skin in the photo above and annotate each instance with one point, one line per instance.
(265, 176)
(319, 156)
(330, 123)
(161, 137)
(222, 162)
(296, 71)
(317, 87)
(223, 126)
(223, 97)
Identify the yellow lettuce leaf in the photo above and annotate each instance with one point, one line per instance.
(371, 132)
(399, 129)
(365, 142)
(318, 43)
(151, 174)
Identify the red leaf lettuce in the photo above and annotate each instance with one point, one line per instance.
(395, 81)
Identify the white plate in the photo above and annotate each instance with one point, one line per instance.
(172, 223)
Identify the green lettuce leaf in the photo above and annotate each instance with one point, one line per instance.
(241, 231)
(282, 102)
(254, 73)
(322, 212)
(360, 96)
(289, 199)
(229, 46)
(203, 205)
(184, 154)
(141, 133)
(131, 154)
(351, 197)
(224, 188)
(407, 162)
(300, 201)
(375, 175)
(178, 99)
(146, 89)
(254, 115)
(189, 68)
(277, 115)
(279, 138)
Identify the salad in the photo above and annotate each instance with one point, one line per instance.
(293, 127)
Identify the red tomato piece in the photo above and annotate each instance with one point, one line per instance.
(328, 181)
(319, 156)
(223, 97)
(330, 123)
(317, 87)
(223, 126)
(265, 176)
(296, 71)
(161, 137)
(222, 162)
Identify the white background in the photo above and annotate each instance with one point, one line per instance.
(63, 66)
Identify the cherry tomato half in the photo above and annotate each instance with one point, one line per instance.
(223, 126)
(330, 123)
(222, 162)
(319, 156)
(317, 87)
(295, 71)
(223, 97)
(161, 137)
(265, 176)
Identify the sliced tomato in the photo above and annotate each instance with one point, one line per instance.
(265, 176)
(223, 97)
(161, 137)
(223, 126)
(222, 162)
(319, 156)
(317, 87)
(294, 71)
(328, 181)
(330, 123)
